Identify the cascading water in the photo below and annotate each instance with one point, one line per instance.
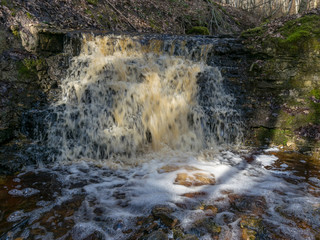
(129, 95)
(135, 138)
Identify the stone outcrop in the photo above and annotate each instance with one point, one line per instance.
(283, 98)
(274, 75)
(31, 68)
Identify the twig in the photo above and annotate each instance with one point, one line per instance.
(114, 8)
(213, 16)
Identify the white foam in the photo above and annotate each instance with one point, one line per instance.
(315, 181)
(26, 192)
(84, 230)
(273, 149)
(16, 180)
(124, 194)
(265, 160)
(16, 216)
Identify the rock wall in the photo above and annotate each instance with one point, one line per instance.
(31, 68)
(283, 103)
(274, 77)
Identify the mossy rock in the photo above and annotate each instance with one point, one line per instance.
(252, 32)
(51, 42)
(297, 37)
(275, 136)
(198, 30)
(27, 68)
(92, 2)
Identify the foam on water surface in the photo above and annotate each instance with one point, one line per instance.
(105, 202)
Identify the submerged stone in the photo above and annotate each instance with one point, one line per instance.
(157, 235)
(195, 179)
(164, 214)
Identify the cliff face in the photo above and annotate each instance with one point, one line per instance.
(35, 52)
(273, 70)
(284, 78)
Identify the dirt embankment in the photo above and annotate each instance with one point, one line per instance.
(168, 16)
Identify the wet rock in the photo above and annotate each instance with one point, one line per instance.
(180, 235)
(84, 231)
(51, 42)
(189, 237)
(209, 210)
(251, 227)
(195, 179)
(194, 194)
(94, 236)
(144, 226)
(205, 225)
(172, 168)
(254, 204)
(157, 235)
(164, 214)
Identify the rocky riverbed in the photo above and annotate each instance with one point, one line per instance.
(268, 194)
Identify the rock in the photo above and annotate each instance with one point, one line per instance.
(205, 225)
(253, 228)
(194, 194)
(189, 237)
(30, 39)
(179, 235)
(253, 204)
(95, 236)
(209, 210)
(51, 42)
(195, 179)
(157, 235)
(86, 231)
(172, 168)
(164, 214)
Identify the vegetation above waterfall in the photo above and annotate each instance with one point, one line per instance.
(293, 35)
(168, 16)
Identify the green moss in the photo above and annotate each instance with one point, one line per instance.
(153, 25)
(29, 15)
(288, 121)
(13, 13)
(92, 2)
(198, 30)
(28, 67)
(16, 33)
(252, 32)
(299, 35)
(294, 38)
(315, 93)
(275, 136)
(308, 23)
(314, 106)
(4, 3)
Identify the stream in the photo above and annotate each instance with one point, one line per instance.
(146, 142)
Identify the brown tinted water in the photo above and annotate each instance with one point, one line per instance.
(50, 204)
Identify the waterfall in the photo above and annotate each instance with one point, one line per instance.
(126, 95)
